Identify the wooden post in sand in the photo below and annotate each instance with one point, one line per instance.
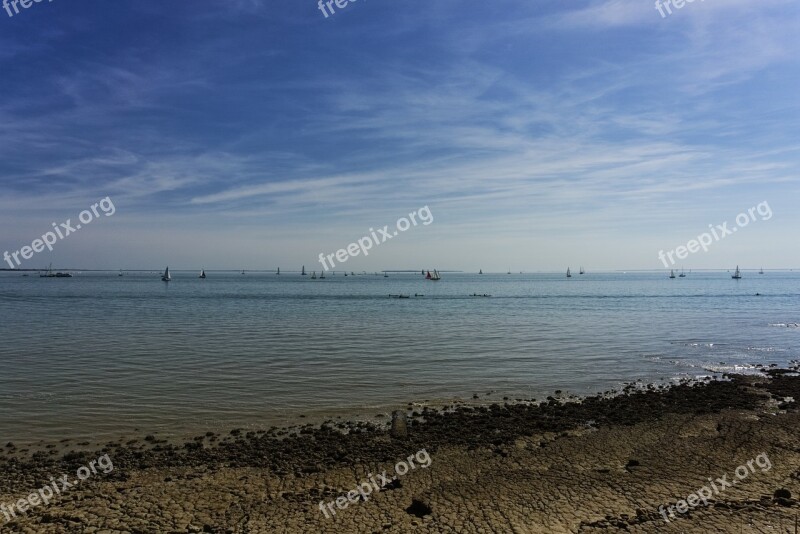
(399, 425)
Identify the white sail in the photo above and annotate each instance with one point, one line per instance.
(166, 277)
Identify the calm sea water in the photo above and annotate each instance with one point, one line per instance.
(100, 355)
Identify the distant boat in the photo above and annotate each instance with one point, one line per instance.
(202, 273)
(345, 273)
(428, 276)
(303, 273)
(166, 277)
(423, 272)
(120, 272)
(671, 273)
(322, 275)
(480, 272)
(279, 271)
(242, 271)
(386, 275)
(737, 275)
(581, 271)
(50, 274)
(314, 275)
(761, 271)
(682, 275)
(436, 276)
(569, 274)
(509, 270)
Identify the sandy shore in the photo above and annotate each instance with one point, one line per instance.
(599, 465)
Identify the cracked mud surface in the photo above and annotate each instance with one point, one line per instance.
(601, 465)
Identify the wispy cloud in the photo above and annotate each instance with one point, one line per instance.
(588, 120)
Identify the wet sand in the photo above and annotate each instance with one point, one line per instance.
(599, 465)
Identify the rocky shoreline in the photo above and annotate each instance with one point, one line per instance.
(600, 464)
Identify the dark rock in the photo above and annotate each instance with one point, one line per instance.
(419, 508)
(782, 494)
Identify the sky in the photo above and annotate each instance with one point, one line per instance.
(540, 134)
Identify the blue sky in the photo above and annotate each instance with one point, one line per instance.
(256, 134)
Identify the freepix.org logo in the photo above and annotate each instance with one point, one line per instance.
(9, 4)
(719, 233)
(60, 231)
(363, 245)
(665, 5)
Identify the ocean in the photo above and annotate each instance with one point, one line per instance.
(100, 356)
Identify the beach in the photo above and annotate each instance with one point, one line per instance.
(343, 266)
(562, 464)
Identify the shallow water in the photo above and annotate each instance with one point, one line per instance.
(98, 355)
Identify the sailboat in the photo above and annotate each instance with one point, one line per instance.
(166, 277)
(314, 275)
(428, 276)
(120, 272)
(671, 273)
(202, 273)
(509, 270)
(279, 271)
(480, 271)
(242, 271)
(322, 275)
(737, 275)
(51, 274)
(436, 275)
(303, 273)
(386, 275)
(581, 271)
(761, 271)
(569, 274)
(683, 274)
